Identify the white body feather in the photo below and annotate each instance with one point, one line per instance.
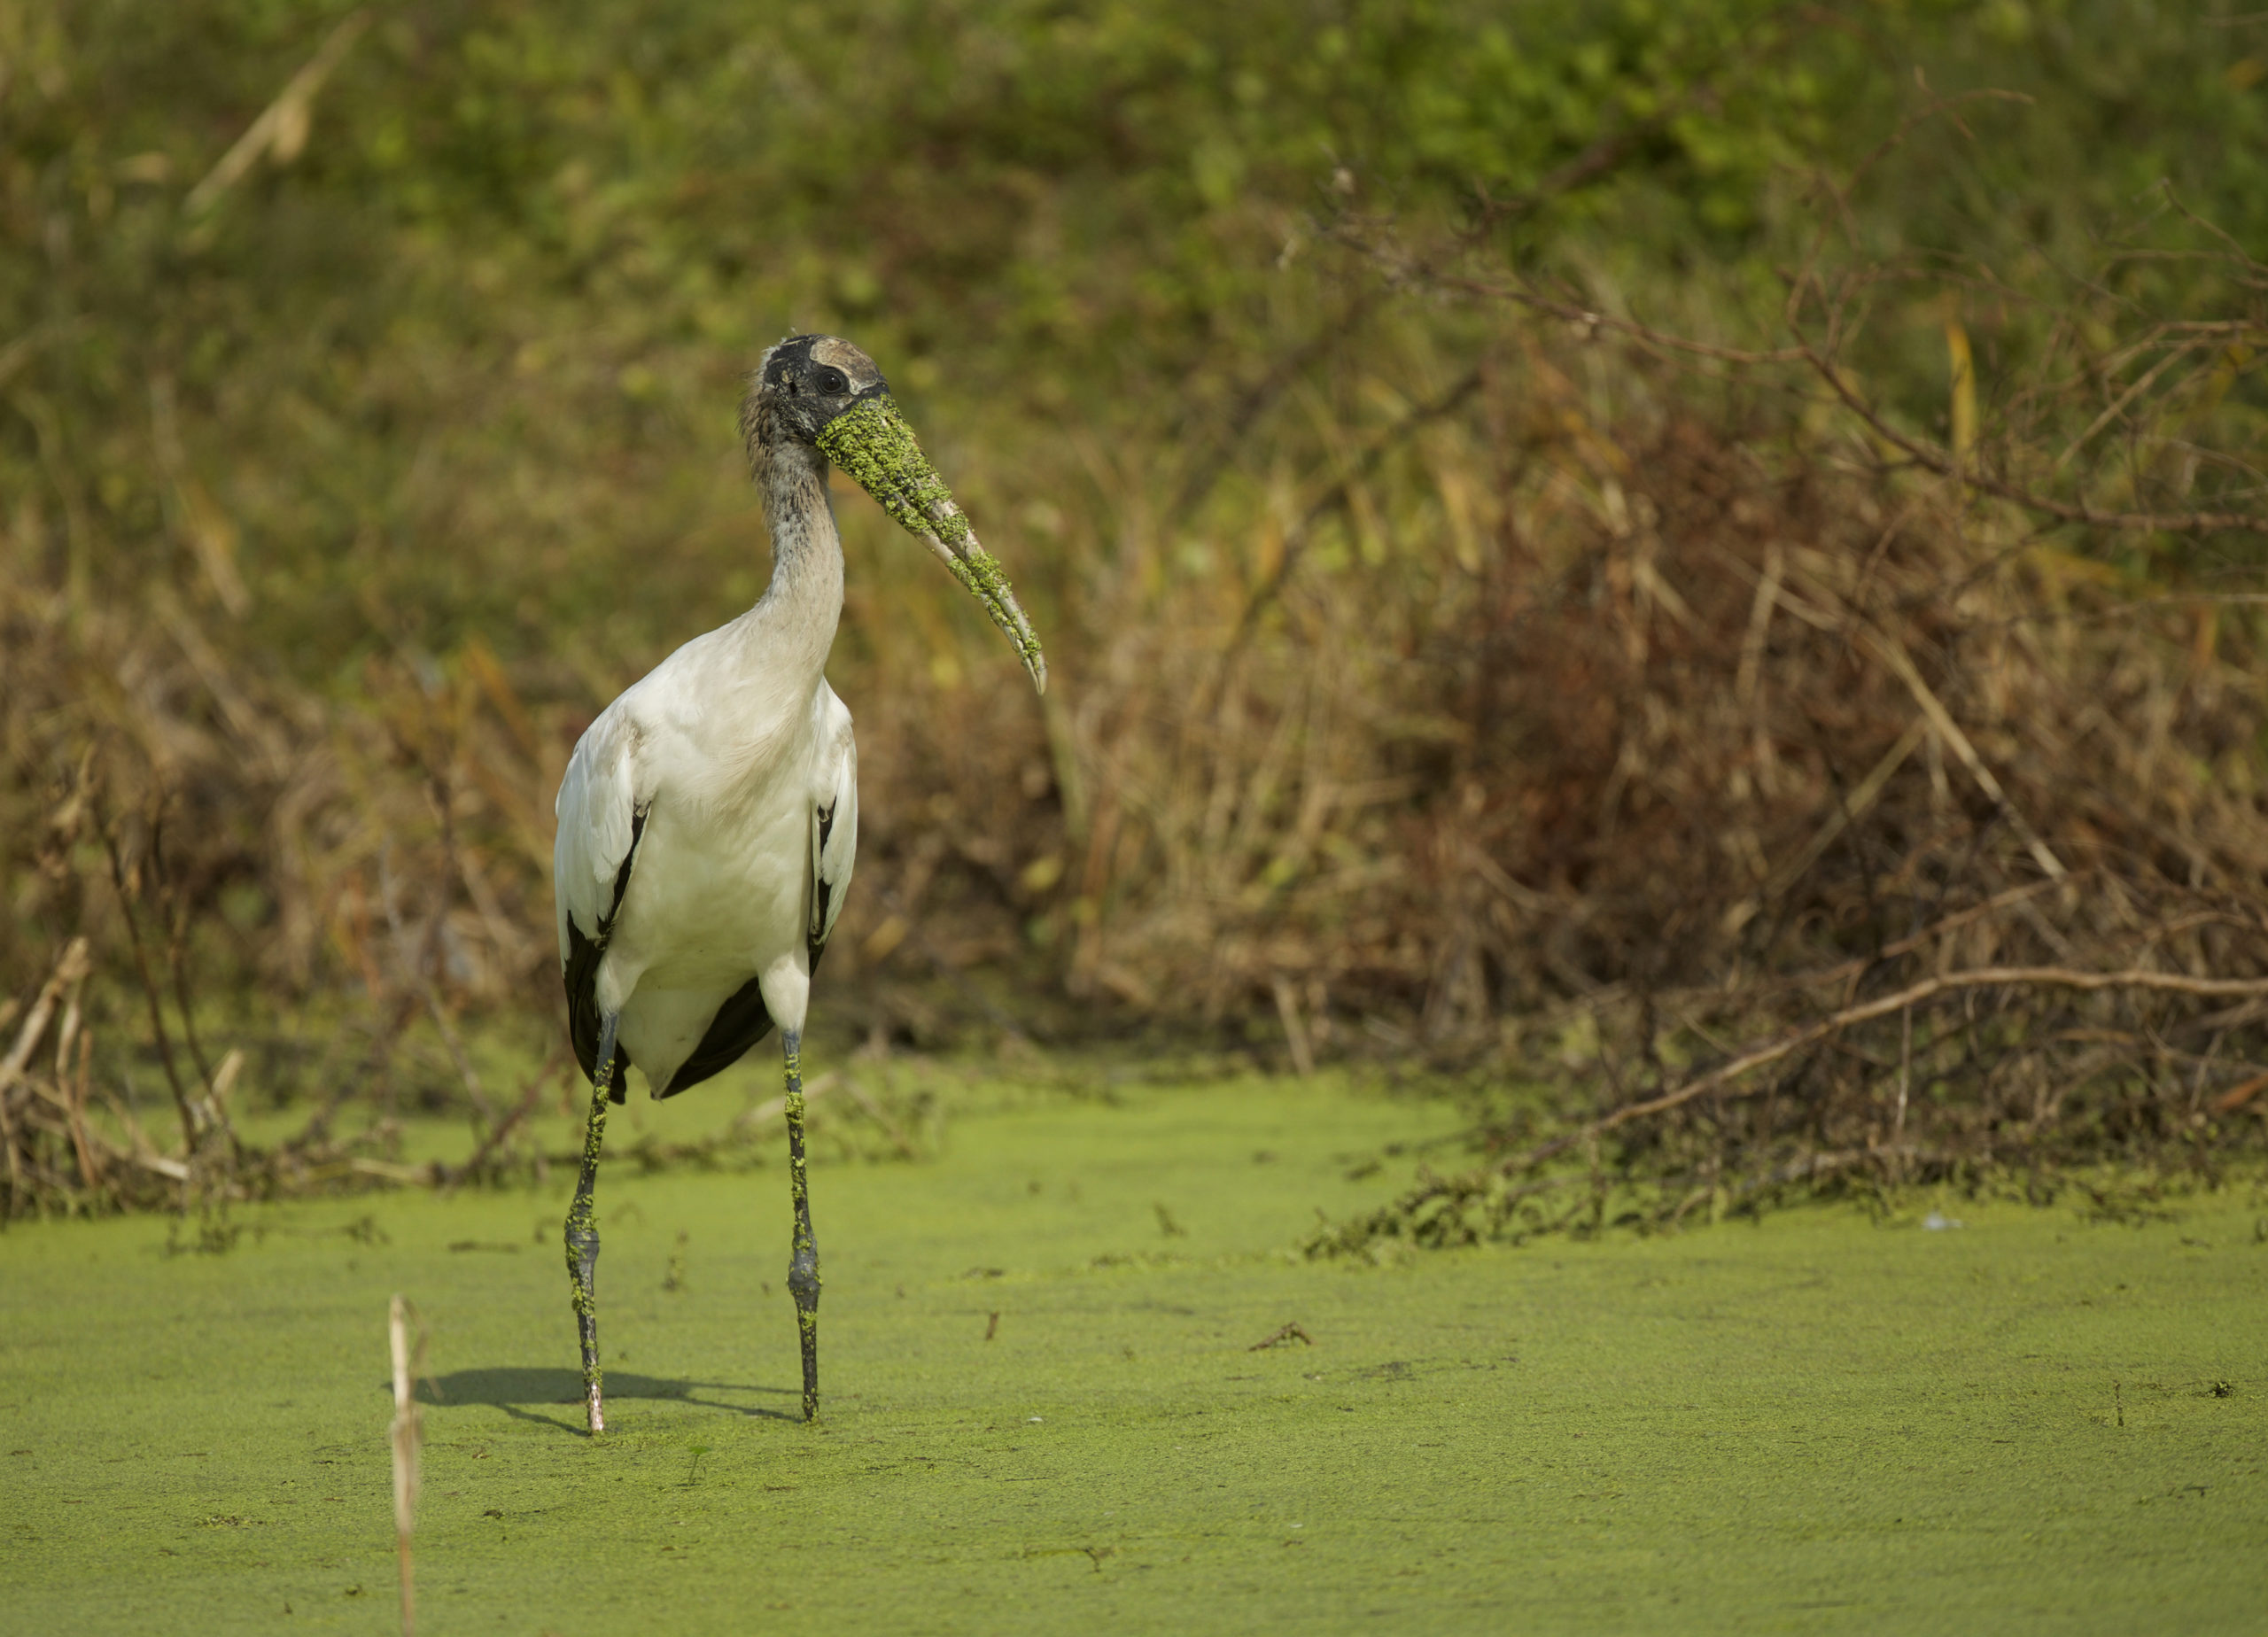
(738, 754)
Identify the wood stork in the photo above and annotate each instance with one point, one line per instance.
(709, 817)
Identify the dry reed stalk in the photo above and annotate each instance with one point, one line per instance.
(70, 972)
(404, 1438)
(281, 131)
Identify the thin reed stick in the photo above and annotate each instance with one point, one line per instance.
(74, 1087)
(405, 1459)
(189, 1121)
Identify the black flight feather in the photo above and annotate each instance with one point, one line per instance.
(583, 956)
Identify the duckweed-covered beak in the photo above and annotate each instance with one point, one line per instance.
(872, 442)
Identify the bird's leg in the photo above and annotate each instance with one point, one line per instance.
(583, 1225)
(802, 1266)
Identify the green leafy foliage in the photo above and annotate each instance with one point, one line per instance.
(518, 241)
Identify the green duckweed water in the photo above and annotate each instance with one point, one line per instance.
(1043, 1411)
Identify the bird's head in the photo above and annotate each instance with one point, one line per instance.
(819, 392)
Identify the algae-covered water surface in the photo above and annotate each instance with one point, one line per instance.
(1046, 1410)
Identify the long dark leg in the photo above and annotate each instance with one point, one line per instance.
(583, 1225)
(803, 1267)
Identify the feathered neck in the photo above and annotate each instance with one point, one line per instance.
(795, 620)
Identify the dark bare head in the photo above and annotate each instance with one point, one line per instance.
(801, 385)
(817, 399)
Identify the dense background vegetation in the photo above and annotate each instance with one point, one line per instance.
(1396, 416)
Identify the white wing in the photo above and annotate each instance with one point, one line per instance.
(598, 822)
(835, 817)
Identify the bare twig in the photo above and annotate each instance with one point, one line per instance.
(421, 973)
(504, 1127)
(189, 1125)
(1943, 463)
(281, 131)
(874, 1110)
(1894, 654)
(776, 1108)
(1337, 495)
(1215, 453)
(1756, 1058)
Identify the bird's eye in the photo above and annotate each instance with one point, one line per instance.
(833, 383)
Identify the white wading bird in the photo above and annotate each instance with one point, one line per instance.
(708, 819)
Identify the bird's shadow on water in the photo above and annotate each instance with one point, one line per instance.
(525, 1394)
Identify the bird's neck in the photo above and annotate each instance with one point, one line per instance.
(795, 620)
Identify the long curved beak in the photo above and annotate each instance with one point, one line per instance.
(980, 570)
(872, 442)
